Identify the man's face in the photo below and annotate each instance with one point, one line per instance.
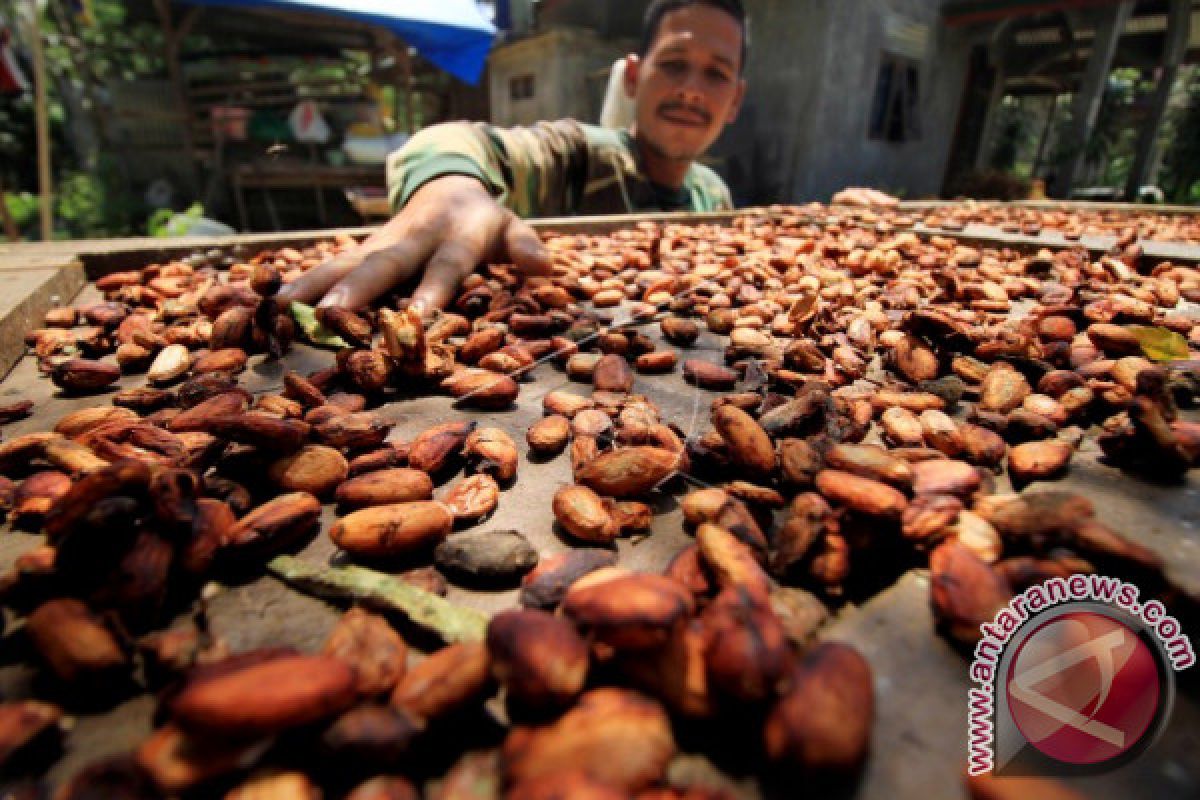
(687, 87)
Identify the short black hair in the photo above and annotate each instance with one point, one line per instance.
(660, 8)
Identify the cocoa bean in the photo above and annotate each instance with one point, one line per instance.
(487, 555)
(384, 487)
(26, 724)
(371, 736)
(359, 430)
(275, 525)
(448, 680)
(375, 653)
(708, 375)
(615, 736)
(965, 591)
(436, 449)
(861, 494)
(870, 461)
(1034, 461)
(733, 563)
(943, 476)
(472, 498)
(545, 586)
(493, 452)
(178, 761)
(392, 530)
(749, 445)
(747, 653)
(823, 723)
(315, 469)
(539, 658)
(481, 388)
(628, 471)
(628, 611)
(76, 646)
(81, 376)
(583, 514)
(265, 696)
(549, 435)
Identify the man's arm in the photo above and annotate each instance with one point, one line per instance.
(533, 171)
(456, 188)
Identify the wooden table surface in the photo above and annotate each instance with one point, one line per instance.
(921, 681)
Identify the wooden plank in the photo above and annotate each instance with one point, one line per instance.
(26, 294)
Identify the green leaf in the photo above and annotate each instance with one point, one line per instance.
(452, 622)
(1160, 344)
(314, 331)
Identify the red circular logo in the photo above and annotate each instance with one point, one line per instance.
(1083, 688)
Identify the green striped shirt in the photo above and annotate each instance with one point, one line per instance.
(560, 168)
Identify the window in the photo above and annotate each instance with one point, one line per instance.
(520, 87)
(894, 114)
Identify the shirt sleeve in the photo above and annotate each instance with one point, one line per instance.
(534, 171)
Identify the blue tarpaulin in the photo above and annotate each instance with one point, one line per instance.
(450, 33)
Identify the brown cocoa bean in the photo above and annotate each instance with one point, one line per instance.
(384, 487)
(823, 723)
(861, 494)
(546, 585)
(263, 697)
(275, 524)
(965, 591)
(538, 657)
(472, 498)
(628, 471)
(448, 680)
(618, 737)
(630, 612)
(492, 451)
(79, 375)
(74, 643)
(375, 653)
(549, 435)
(392, 530)
(437, 448)
(1034, 461)
(583, 514)
(315, 469)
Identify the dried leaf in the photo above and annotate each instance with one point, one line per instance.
(453, 623)
(1160, 344)
(314, 331)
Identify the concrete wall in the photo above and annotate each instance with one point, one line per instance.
(569, 68)
(812, 73)
(813, 65)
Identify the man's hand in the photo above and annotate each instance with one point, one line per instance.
(449, 227)
(861, 196)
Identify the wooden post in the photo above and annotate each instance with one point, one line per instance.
(1051, 113)
(10, 225)
(45, 182)
(1178, 27)
(173, 39)
(410, 111)
(1086, 105)
(990, 118)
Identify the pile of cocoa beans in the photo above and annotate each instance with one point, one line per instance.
(875, 402)
(1072, 223)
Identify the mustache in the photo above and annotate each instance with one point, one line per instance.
(671, 105)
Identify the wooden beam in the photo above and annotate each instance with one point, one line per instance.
(971, 12)
(173, 41)
(1085, 106)
(1179, 23)
(10, 225)
(45, 180)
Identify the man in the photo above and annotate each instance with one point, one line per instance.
(459, 188)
